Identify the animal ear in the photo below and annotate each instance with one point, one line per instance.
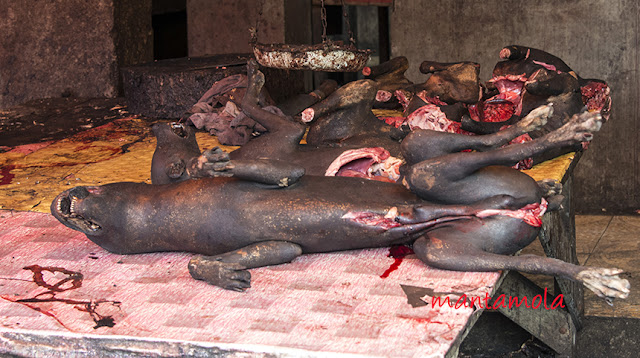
(427, 67)
(175, 169)
(514, 52)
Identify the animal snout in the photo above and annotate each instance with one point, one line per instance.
(79, 192)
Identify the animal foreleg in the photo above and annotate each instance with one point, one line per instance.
(353, 93)
(266, 171)
(460, 165)
(421, 145)
(270, 121)
(230, 270)
(216, 163)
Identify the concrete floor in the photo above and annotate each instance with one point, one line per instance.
(611, 241)
(609, 331)
(605, 241)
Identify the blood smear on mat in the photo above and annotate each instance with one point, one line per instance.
(398, 253)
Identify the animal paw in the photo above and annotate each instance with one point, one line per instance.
(552, 192)
(536, 119)
(211, 163)
(579, 128)
(550, 187)
(605, 283)
(175, 169)
(230, 276)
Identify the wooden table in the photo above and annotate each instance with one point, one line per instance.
(290, 311)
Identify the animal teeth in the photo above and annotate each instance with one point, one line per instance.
(72, 207)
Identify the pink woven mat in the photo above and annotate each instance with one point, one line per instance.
(54, 279)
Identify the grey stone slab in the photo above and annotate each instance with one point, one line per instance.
(168, 88)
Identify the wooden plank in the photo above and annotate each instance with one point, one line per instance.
(558, 239)
(454, 350)
(554, 327)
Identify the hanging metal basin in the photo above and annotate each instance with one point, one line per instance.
(315, 58)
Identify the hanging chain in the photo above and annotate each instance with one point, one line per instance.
(254, 32)
(323, 16)
(352, 40)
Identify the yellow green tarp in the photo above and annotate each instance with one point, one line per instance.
(31, 176)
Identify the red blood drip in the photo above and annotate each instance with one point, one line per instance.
(5, 173)
(72, 281)
(398, 253)
(73, 277)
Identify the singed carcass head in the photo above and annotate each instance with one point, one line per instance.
(122, 217)
(526, 79)
(176, 146)
(85, 209)
(451, 87)
(452, 82)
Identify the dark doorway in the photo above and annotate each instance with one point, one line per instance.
(169, 21)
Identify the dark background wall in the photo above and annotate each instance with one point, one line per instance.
(598, 39)
(76, 47)
(69, 48)
(224, 27)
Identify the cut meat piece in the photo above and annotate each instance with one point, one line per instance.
(372, 163)
(531, 214)
(431, 117)
(596, 96)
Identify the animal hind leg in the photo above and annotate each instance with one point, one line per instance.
(457, 166)
(425, 144)
(459, 254)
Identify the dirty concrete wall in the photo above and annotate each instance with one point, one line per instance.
(223, 27)
(598, 39)
(56, 48)
(133, 37)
